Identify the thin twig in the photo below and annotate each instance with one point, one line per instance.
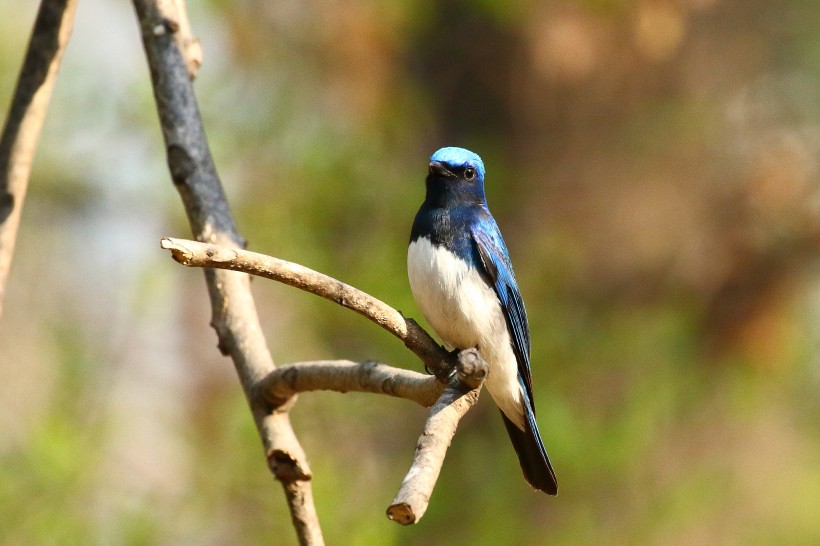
(234, 313)
(347, 376)
(21, 131)
(414, 495)
(460, 395)
(193, 253)
(369, 376)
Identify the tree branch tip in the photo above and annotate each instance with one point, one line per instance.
(179, 251)
(402, 513)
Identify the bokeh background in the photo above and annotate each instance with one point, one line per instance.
(654, 168)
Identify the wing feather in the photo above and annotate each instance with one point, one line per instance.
(498, 268)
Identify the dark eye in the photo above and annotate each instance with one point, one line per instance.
(469, 173)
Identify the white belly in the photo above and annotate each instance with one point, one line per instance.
(465, 312)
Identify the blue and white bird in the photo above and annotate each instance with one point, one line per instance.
(462, 279)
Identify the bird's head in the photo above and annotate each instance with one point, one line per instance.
(456, 176)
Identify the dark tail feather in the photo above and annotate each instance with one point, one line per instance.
(531, 453)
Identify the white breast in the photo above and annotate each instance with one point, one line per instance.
(465, 312)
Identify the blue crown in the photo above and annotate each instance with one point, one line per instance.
(459, 157)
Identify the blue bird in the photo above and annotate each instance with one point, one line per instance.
(463, 281)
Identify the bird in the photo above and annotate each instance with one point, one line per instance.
(462, 280)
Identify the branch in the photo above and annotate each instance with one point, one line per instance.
(465, 375)
(195, 254)
(346, 376)
(414, 495)
(370, 376)
(460, 395)
(49, 38)
(449, 404)
(234, 314)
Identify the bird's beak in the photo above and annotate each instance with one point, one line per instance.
(438, 169)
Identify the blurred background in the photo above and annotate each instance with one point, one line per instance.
(654, 168)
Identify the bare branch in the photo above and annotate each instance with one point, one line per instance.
(234, 313)
(449, 404)
(369, 376)
(414, 495)
(299, 495)
(465, 375)
(197, 254)
(21, 132)
(460, 395)
(347, 376)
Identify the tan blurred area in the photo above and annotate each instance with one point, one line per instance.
(653, 166)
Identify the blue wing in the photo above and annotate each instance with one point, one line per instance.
(498, 267)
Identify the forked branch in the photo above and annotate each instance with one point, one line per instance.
(234, 314)
(450, 394)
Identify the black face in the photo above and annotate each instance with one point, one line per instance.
(452, 185)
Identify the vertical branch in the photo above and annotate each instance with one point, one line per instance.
(234, 313)
(21, 131)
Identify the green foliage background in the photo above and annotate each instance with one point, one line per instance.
(653, 165)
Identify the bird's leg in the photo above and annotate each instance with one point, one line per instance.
(445, 371)
(464, 365)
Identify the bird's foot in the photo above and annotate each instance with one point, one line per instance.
(447, 368)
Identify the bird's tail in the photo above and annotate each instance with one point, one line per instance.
(531, 453)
